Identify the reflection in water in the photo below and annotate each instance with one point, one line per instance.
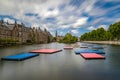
(65, 65)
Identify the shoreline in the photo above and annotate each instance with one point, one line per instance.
(103, 42)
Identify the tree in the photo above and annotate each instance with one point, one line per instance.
(94, 35)
(48, 41)
(68, 38)
(114, 29)
(113, 33)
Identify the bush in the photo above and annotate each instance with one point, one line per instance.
(7, 41)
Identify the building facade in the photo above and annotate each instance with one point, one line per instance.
(22, 34)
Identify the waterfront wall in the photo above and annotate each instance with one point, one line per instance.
(104, 42)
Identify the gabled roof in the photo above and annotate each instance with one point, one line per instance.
(9, 26)
(3, 26)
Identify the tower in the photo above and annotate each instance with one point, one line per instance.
(15, 23)
(7, 22)
(56, 35)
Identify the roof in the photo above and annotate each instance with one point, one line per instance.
(10, 26)
(3, 26)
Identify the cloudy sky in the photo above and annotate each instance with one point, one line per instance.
(74, 16)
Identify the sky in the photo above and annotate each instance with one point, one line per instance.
(74, 16)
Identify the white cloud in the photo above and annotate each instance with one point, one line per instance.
(97, 11)
(90, 5)
(112, 0)
(100, 26)
(6, 7)
(9, 20)
(17, 8)
(65, 26)
(41, 7)
(52, 13)
(91, 28)
(86, 6)
(44, 26)
(75, 31)
(35, 25)
(80, 22)
(103, 26)
(66, 15)
(98, 20)
(69, 20)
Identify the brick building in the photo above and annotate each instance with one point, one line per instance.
(23, 34)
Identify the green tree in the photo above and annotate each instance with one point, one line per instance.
(94, 35)
(114, 29)
(113, 33)
(68, 38)
(48, 41)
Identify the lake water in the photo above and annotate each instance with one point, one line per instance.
(64, 65)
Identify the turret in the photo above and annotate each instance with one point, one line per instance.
(15, 23)
(7, 22)
(56, 35)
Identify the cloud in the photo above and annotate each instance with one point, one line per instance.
(80, 22)
(99, 26)
(90, 5)
(112, 0)
(51, 13)
(11, 21)
(75, 31)
(35, 25)
(103, 26)
(72, 23)
(97, 20)
(62, 14)
(65, 26)
(91, 28)
(66, 20)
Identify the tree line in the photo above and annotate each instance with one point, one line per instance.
(68, 38)
(100, 34)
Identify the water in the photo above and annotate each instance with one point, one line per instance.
(65, 65)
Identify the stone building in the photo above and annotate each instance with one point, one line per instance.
(41, 36)
(23, 34)
(15, 32)
(4, 31)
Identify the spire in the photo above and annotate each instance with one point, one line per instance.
(7, 22)
(39, 28)
(15, 22)
(56, 35)
(2, 20)
(33, 28)
(22, 23)
(45, 30)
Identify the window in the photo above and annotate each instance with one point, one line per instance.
(20, 33)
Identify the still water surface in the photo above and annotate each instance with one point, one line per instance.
(64, 65)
